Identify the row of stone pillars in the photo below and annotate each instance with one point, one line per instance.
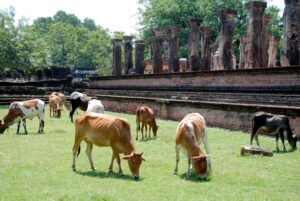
(257, 47)
(156, 46)
(128, 63)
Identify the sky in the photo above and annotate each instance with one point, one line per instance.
(116, 15)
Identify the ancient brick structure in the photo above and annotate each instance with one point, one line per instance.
(272, 50)
(128, 65)
(291, 33)
(253, 53)
(156, 43)
(206, 42)
(117, 57)
(139, 56)
(225, 48)
(173, 49)
(243, 45)
(266, 36)
(193, 61)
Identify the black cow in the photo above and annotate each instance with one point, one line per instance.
(272, 123)
(80, 102)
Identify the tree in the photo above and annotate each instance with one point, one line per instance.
(89, 24)
(8, 39)
(62, 16)
(61, 42)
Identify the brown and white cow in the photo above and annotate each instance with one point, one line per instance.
(20, 111)
(145, 116)
(272, 123)
(55, 105)
(107, 131)
(190, 132)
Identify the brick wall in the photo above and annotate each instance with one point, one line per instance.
(263, 88)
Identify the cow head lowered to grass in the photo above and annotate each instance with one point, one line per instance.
(190, 132)
(107, 131)
(3, 127)
(20, 111)
(273, 123)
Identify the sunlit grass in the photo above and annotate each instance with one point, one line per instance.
(38, 167)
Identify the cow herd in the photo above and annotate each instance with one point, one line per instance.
(97, 128)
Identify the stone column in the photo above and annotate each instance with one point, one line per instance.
(206, 42)
(243, 51)
(157, 51)
(193, 60)
(173, 49)
(253, 58)
(128, 55)
(117, 57)
(266, 38)
(291, 33)
(272, 50)
(139, 56)
(225, 48)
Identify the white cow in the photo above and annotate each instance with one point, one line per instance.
(96, 106)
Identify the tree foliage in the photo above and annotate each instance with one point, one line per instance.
(61, 40)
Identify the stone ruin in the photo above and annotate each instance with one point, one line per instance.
(258, 48)
(291, 33)
(49, 73)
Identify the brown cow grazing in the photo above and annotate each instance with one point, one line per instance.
(107, 131)
(62, 96)
(20, 111)
(145, 115)
(55, 104)
(190, 132)
(272, 123)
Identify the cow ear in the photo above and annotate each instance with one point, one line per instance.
(128, 156)
(196, 157)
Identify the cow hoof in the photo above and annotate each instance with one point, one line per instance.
(110, 171)
(121, 174)
(175, 173)
(73, 168)
(93, 169)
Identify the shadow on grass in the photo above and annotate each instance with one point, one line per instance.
(194, 178)
(147, 139)
(283, 152)
(106, 175)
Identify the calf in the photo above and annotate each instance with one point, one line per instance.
(55, 104)
(145, 115)
(107, 131)
(79, 101)
(190, 132)
(20, 111)
(63, 98)
(95, 106)
(272, 123)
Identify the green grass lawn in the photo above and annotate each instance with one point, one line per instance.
(38, 167)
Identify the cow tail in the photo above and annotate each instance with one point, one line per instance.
(138, 119)
(78, 152)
